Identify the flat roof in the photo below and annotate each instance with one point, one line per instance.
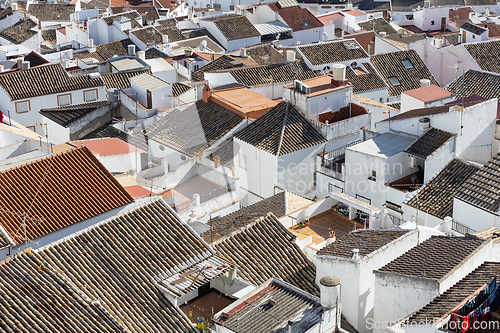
(108, 146)
(354, 13)
(128, 63)
(244, 99)
(319, 85)
(149, 81)
(429, 93)
(384, 145)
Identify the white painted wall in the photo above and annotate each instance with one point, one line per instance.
(473, 216)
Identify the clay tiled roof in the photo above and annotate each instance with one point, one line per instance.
(483, 188)
(418, 113)
(179, 88)
(223, 226)
(201, 32)
(148, 35)
(5, 12)
(234, 26)
(173, 33)
(222, 63)
(370, 80)
(390, 65)
(255, 76)
(121, 80)
(197, 127)
(486, 55)
(194, 42)
(34, 294)
(139, 140)
(153, 53)
(363, 39)
(297, 18)
(225, 151)
(72, 186)
(474, 82)
(331, 52)
(119, 48)
(263, 249)
(133, 15)
(401, 41)
(445, 302)
(437, 196)
(429, 143)
(378, 25)
(265, 54)
(121, 262)
(282, 130)
(51, 12)
(434, 258)
(88, 55)
(366, 241)
(489, 233)
(19, 32)
(66, 115)
(167, 23)
(49, 36)
(493, 30)
(44, 80)
(35, 59)
(460, 15)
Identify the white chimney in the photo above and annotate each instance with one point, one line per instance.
(190, 16)
(370, 48)
(141, 55)
(243, 52)
(487, 11)
(425, 124)
(25, 65)
(164, 39)
(329, 288)
(382, 34)
(90, 44)
(1, 68)
(188, 51)
(298, 42)
(355, 254)
(425, 82)
(14, 6)
(448, 222)
(20, 62)
(290, 55)
(438, 42)
(131, 50)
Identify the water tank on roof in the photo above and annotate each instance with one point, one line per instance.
(338, 72)
(113, 95)
(424, 123)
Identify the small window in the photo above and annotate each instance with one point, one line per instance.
(161, 148)
(381, 100)
(407, 64)
(196, 67)
(473, 36)
(90, 95)
(394, 81)
(304, 23)
(373, 175)
(432, 22)
(23, 107)
(64, 99)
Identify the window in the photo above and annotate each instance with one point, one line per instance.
(407, 64)
(334, 188)
(196, 67)
(473, 36)
(432, 22)
(394, 81)
(373, 175)
(381, 100)
(90, 95)
(363, 199)
(64, 99)
(304, 23)
(23, 107)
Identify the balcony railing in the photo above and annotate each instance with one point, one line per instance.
(462, 228)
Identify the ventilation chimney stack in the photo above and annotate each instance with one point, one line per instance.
(20, 62)
(25, 65)
(131, 50)
(338, 77)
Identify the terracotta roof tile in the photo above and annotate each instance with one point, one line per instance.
(435, 257)
(493, 30)
(391, 65)
(475, 82)
(121, 80)
(331, 52)
(459, 292)
(51, 12)
(483, 188)
(44, 80)
(366, 241)
(264, 248)
(75, 186)
(66, 115)
(173, 33)
(436, 198)
(297, 18)
(282, 130)
(363, 39)
(19, 32)
(429, 143)
(197, 127)
(35, 59)
(265, 54)
(119, 48)
(364, 80)
(221, 63)
(486, 55)
(234, 26)
(133, 15)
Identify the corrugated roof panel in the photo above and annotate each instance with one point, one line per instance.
(272, 27)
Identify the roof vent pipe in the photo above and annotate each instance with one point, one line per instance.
(25, 65)
(338, 71)
(329, 289)
(131, 50)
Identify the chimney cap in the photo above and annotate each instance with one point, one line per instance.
(329, 281)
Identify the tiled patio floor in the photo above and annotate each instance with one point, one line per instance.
(321, 225)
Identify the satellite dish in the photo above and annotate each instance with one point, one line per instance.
(202, 45)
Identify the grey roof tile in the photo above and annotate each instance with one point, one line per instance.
(378, 25)
(331, 52)
(477, 83)
(234, 26)
(429, 142)
(486, 55)
(66, 115)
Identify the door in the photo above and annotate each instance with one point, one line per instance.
(150, 99)
(463, 37)
(443, 23)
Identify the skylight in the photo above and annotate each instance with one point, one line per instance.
(407, 64)
(304, 23)
(394, 81)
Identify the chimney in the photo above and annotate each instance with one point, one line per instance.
(141, 55)
(487, 11)
(131, 50)
(207, 93)
(338, 77)
(370, 48)
(20, 62)
(382, 34)
(425, 82)
(290, 55)
(355, 254)
(188, 52)
(25, 65)
(243, 52)
(329, 288)
(164, 39)
(90, 44)
(290, 323)
(190, 16)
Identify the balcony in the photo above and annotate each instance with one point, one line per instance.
(405, 184)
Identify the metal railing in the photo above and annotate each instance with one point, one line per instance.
(341, 150)
(462, 228)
